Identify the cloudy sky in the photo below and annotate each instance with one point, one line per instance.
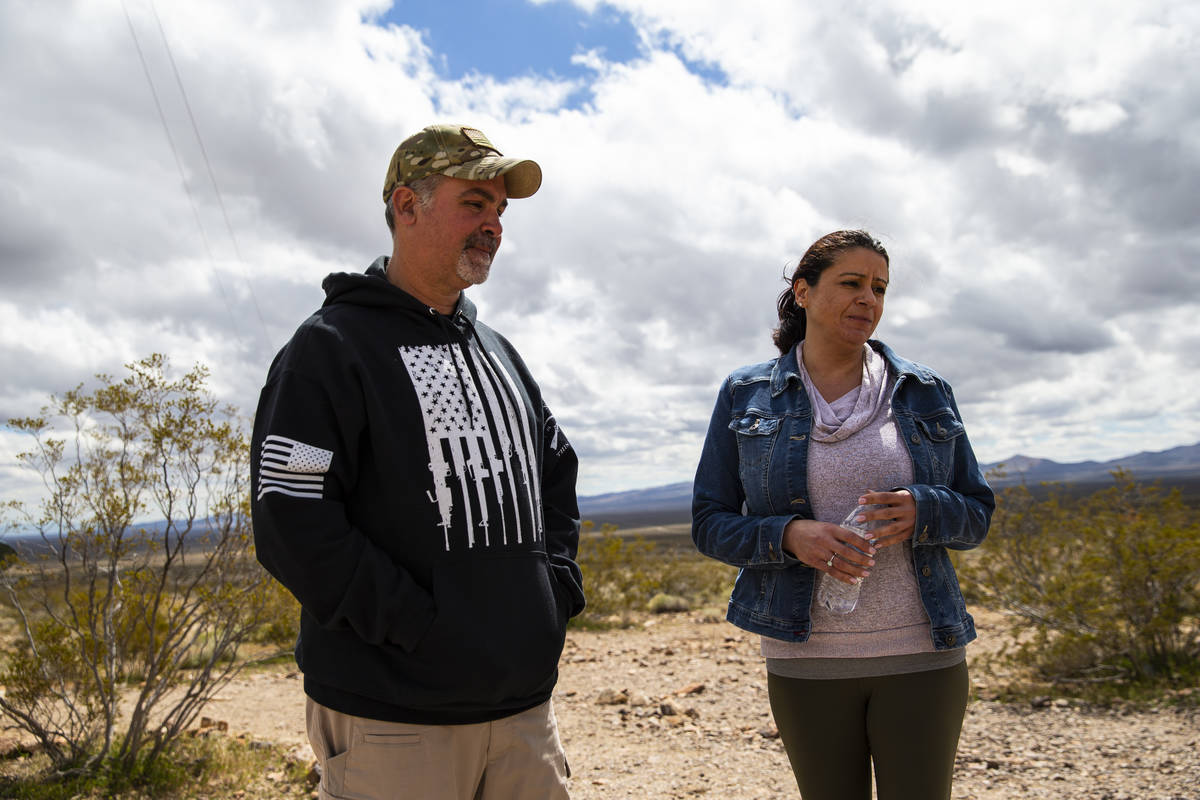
(178, 177)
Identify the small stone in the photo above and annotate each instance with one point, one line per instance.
(612, 697)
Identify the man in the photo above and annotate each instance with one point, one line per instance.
(415, 494)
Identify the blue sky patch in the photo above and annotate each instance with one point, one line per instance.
(514, 38)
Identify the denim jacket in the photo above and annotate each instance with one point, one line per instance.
(752, 481)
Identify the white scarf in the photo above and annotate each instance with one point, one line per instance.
(828, 426)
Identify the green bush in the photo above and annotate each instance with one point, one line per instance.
(623, 575)
(1101, 588)
(663, 603)
(104, 607)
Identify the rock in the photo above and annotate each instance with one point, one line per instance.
(301, 754)
(612, 697)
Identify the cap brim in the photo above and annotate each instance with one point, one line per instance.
(522, 177)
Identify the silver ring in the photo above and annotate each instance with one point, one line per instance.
(829, 563)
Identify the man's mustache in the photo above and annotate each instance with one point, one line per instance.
(483, 242)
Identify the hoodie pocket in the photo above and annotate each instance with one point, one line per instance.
(498, 632)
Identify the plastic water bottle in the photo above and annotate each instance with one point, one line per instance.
(832, 594)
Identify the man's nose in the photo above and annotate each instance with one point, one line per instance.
(492, 225)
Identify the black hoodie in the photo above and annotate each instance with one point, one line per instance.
(415, 494)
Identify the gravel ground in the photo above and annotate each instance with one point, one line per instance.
(677, 708)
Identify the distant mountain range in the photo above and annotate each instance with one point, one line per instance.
(671, 503)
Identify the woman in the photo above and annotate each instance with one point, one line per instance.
(836, 421)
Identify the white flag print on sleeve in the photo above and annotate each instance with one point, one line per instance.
(292, 468)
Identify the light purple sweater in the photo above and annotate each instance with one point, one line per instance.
(889, 619)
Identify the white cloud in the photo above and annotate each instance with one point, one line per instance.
(1093, 117)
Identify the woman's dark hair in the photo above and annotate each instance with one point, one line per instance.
(818, 258)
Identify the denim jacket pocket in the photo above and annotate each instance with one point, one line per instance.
(755, 436)
(942, 430)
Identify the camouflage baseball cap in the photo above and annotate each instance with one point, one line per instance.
(458, 152)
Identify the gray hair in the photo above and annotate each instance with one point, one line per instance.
(423, 188)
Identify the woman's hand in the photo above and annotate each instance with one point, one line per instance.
(829, 548)
(900, 513)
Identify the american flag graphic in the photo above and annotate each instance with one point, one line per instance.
(479, 444)
(292, 468)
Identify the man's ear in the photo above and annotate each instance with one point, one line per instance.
(404, 205)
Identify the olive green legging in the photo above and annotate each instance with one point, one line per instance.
(906, 725)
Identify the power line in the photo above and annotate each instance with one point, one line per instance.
(208, 166)
(162, 117)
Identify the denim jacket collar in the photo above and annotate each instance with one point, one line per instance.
(785, 371)
(786, 367)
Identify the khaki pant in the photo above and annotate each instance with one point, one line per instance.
(513, 758)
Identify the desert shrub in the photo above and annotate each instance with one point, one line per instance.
(622, 575)
(616, 573)
(663, 603)
(107, 606)
(1102, 587)
(280, 616)
(199, 767)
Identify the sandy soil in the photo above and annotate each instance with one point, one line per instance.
(677, 708)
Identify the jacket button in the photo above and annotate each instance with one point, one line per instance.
(924, 537)
(799, 501)
(926, 571)
(915, 439)
(950, 640)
